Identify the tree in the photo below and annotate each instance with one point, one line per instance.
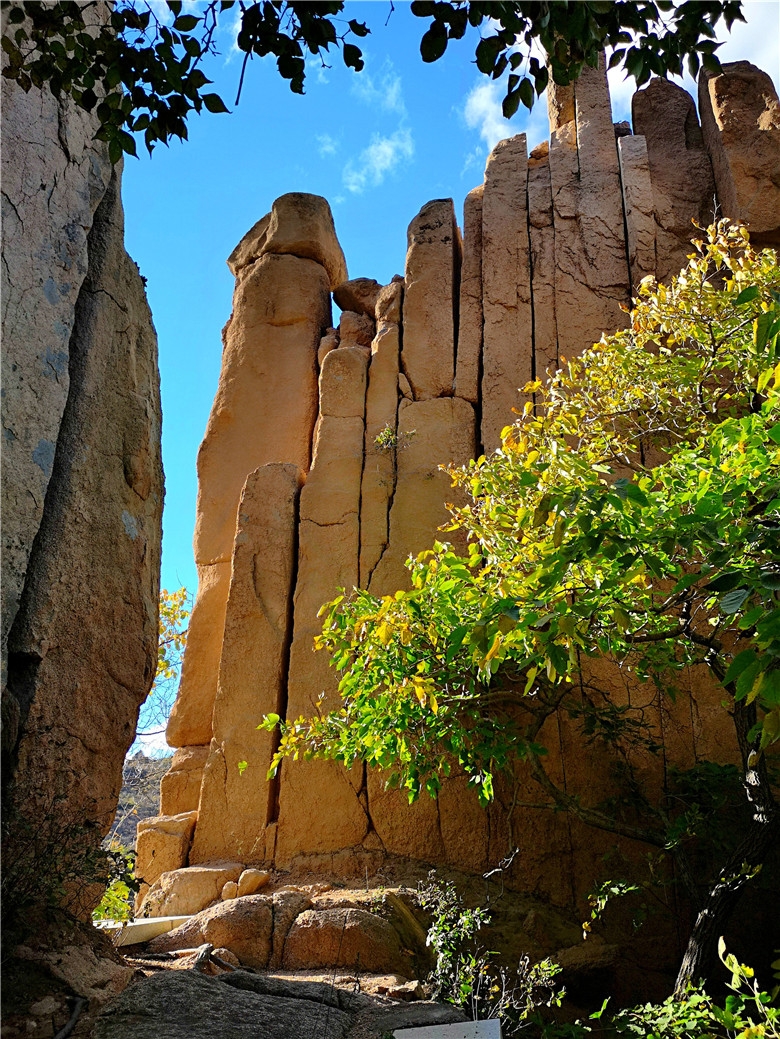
(631, 517)
(143, 76)
(175, 608)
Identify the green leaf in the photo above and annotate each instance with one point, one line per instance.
(732, 602)
(434, 42)
(747, 295)
(214, 103)
(741, 662)
(185, 23)
(353, 57)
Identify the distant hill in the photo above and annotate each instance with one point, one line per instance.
(140, 796)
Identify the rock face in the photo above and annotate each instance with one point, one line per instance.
(82, 496)
(740, 116)
(423, 371)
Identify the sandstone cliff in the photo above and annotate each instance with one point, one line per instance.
(319, 469)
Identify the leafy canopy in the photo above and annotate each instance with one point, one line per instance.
(632, 513)
(142, 75)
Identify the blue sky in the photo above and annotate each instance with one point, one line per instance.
(377, 145)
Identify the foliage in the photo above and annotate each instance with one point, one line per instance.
(117, 900)
(467, 975)
(50, 859)
(145, 76)
(632, 515)
(748, 1013)
(175, 609)
(670, 566)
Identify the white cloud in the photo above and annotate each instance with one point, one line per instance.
(482, 112)
(327, 145)
(379, 159)
(383, 90)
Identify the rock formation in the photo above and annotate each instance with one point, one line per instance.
(320, 465)
(82, 493)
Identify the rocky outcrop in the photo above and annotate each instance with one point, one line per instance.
(83, 645)
(423, 371)
(740, 116)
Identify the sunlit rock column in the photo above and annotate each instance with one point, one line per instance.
(740, 117)
(264, 411)
(681, 178)
(591, 265)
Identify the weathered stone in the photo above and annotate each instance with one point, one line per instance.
(389, 302)
(319, 809)
(302, 225)
(280, 307)
(359, 295)
(469, 357)
(430, 433)
(183, 892)
(237, 805)
(344, 938)
(162, 844)
(180, 786)
(230, 890)
(680, 169)
(378, 479)
(740, 116)
(433, 258)
(45, 259)
(187, 1005)
(404, 388)
(189, 723)
(287, 906)
(83, 647)
(356, 330)
(329, 341)
(592, 277)
(507, 350)
(251, 247)
(251, 880)
(638, 207)
(542, 236)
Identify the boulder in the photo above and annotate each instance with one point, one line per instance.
(183, 892)
(345, 937)
(302, 225)
(359, 295)
(356, 329)
(251, 247)
(162, 844)
(251, 880)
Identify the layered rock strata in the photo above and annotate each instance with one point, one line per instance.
(423, 371)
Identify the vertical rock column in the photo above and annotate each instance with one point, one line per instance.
(740, 117)
(237, 802)
(681, 178)
(83, 647)
(542, 238)
(264, 412)
(507, 350)
(591, 265)
(468, 372)
(54, 175)
(321, 805)
(638, 207)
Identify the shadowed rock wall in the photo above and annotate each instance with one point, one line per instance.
(423, 371)
(82, 487)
